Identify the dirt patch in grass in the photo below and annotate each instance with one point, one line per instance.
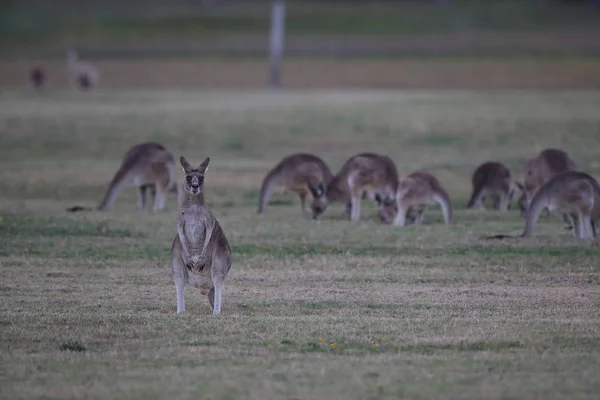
(426, 73)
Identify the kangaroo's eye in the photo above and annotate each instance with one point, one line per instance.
(188, 178)
(200, 179)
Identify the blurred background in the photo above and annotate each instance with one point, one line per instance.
(470, 44)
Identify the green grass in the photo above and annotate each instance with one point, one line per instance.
(312, 309)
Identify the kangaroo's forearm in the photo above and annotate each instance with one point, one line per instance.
(182, 239)
(209, 230)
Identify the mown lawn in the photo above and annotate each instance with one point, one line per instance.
(312, 309)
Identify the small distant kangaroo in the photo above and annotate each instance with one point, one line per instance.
(81, 73)
(414, 192)
(147, 166)
(37, 78)
(200, 254)
(540, 169)
(492, 179)
(572, 193)
(363, 175)
(300, 172)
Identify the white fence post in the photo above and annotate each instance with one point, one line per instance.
(276, 43)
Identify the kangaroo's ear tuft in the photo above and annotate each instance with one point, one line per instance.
(187, 168)
(204, 166)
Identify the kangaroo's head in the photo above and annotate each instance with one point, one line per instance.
(194, 177)
(319, 204)
(386, 208)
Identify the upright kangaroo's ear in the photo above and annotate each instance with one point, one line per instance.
(187, 168)
(204, 166)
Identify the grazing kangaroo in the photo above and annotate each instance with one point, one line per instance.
(81, 73)
(37, 78)
(492, 179)
(363, 175)
(414, 192)
(200, 254)
(541, 169)
(299, 172)
(572, 193)
(147, 166)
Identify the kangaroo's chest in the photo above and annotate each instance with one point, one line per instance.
(195, 234)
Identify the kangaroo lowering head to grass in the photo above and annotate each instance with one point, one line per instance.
(540, 169)
(363, 175)
(414, 192)
(200, 254)
(147, 166)
(492, 179)
(300, 172)
(572, 193)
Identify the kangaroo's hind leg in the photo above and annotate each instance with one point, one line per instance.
(354, 208)
(161, 196)
(211, 298)
(420, 215)
(302, 196)
(180, 278)
(141, 192)
(219, 268)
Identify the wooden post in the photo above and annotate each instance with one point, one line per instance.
(276, 43)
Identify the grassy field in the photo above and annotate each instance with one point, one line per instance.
(312, 309)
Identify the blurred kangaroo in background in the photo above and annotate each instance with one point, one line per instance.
(149, 166)
(200, 254)
(571, 193)
(540, 169)
(363, 175)
(414, 192)
(81, 73)
(37, 78)
(301, 173)
(492, 179)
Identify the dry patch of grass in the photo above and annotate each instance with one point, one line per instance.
(312, 309)
(318, 73)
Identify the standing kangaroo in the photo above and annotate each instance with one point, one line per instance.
(364, 175)
(147, 166)
(492, 179)
(299, 172)
(81, 73)
(200, 254)
(414, 192)
(572, 193)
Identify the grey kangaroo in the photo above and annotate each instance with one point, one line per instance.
(200, 254)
